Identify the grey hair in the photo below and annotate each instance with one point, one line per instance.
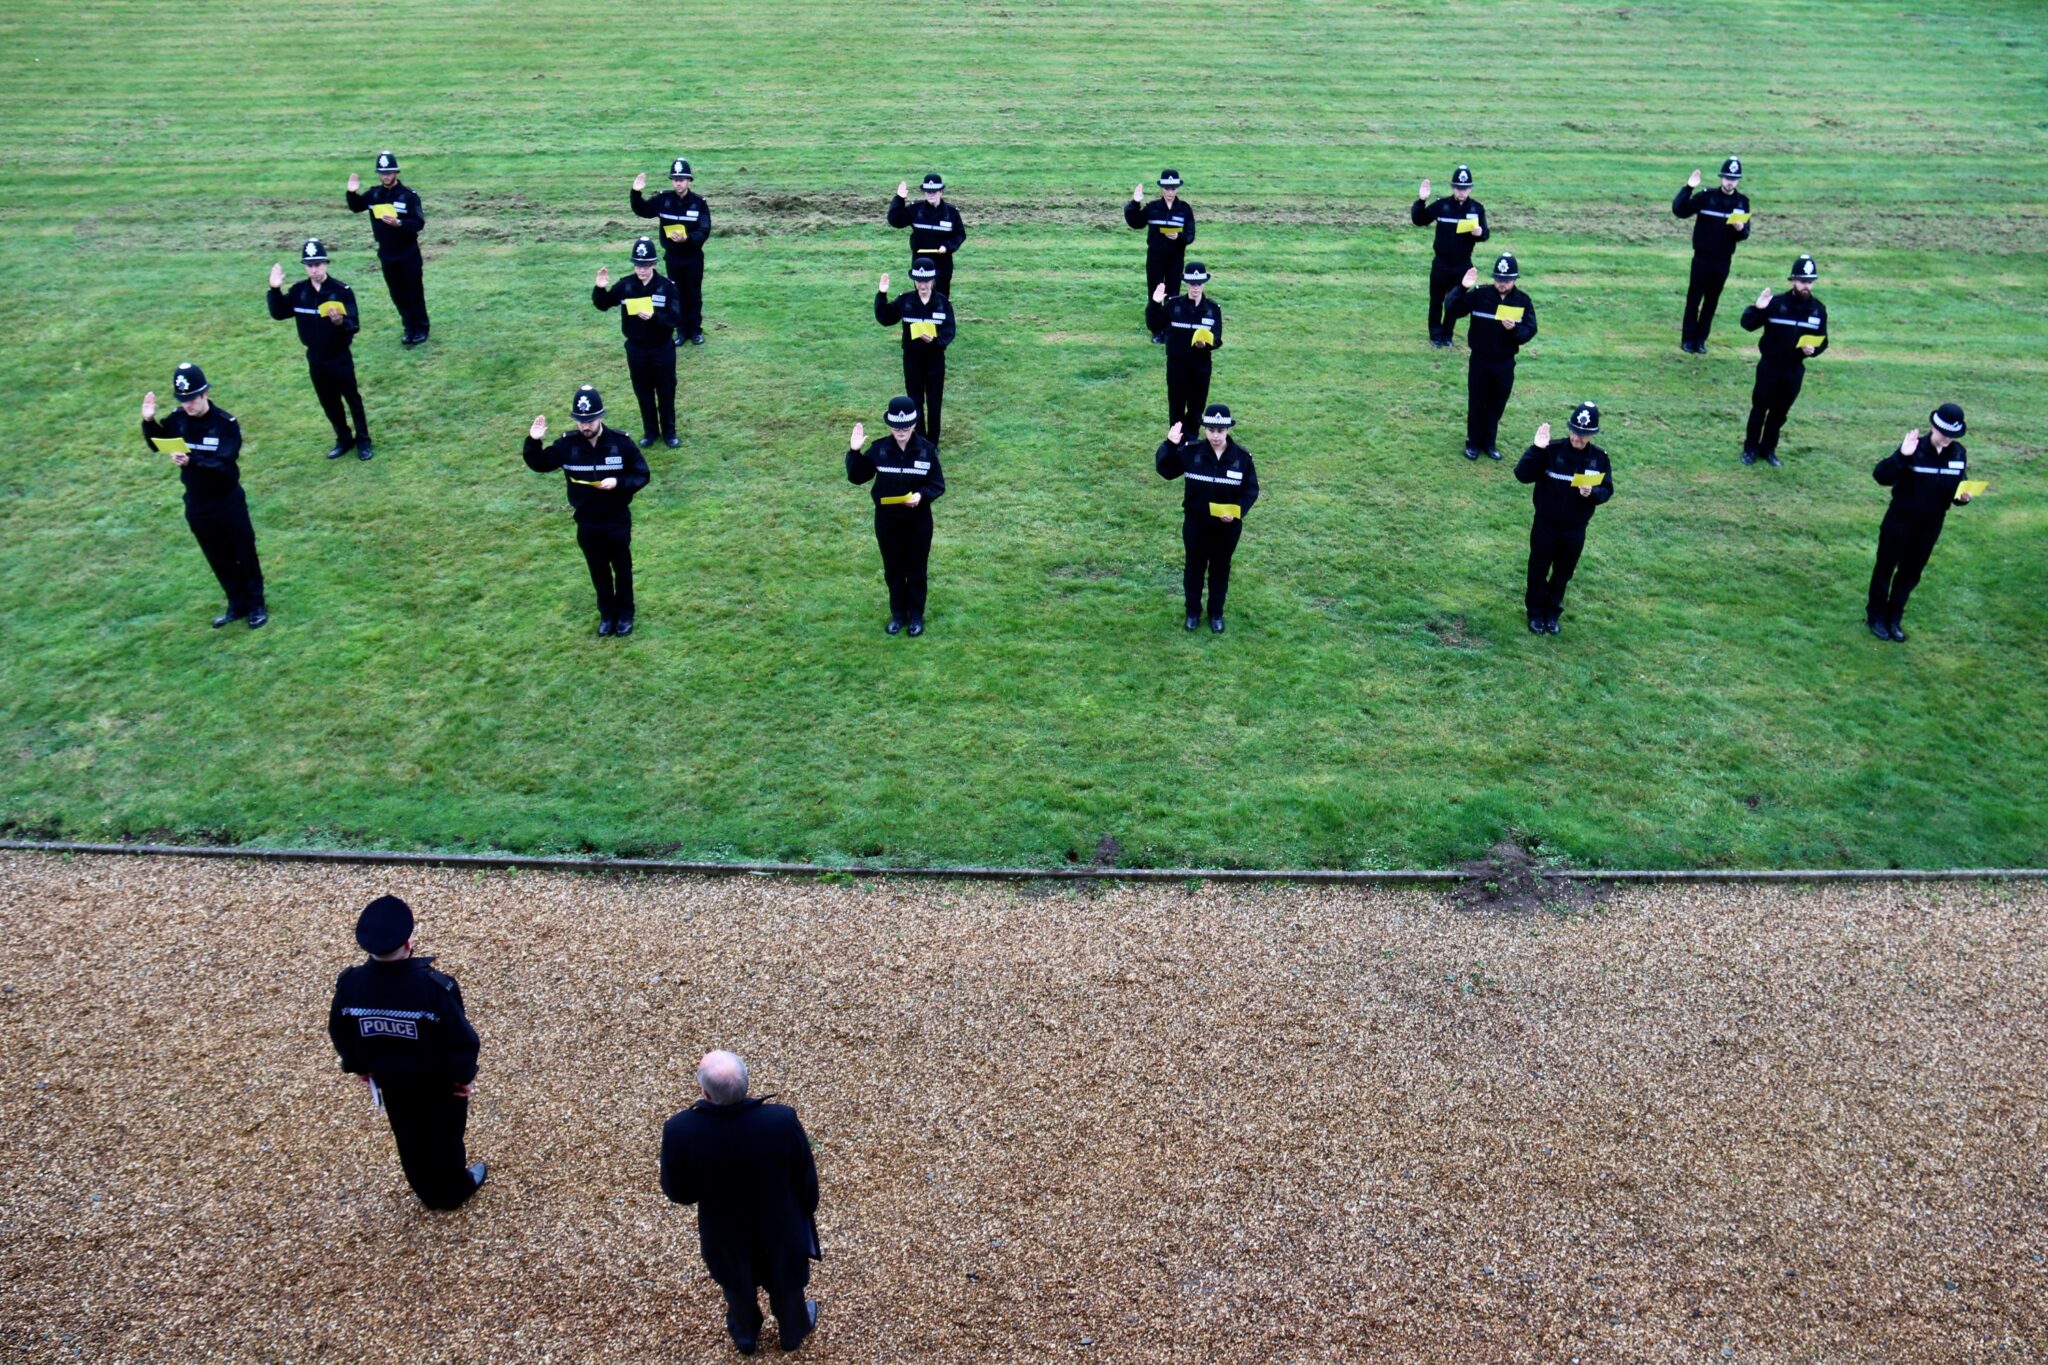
(722, 1076)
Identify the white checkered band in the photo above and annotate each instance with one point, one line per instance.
(923, 269)
(1169, 180)
(1935, 417)
(1217, 421)
(933, 182)
(1194, 274)
(901, 417)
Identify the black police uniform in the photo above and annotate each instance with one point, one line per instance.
(1923, 488)
(1780, 366)
(650, 348)
(1208, 540)
(215, 507)
(604, 519)
(1557, 535)
(903, 533)
(1169, 232)
(329, 359)
(1490, 371)
(398, 251)
(401, 1024)
(924, 362)
(685, 226)
(1453, 254)
(936, 230)
(1713, 252)
(1187, 365)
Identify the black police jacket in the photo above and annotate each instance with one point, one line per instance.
(585, 464)
(655, 331)
(896, 470)
(932, 226)
(685, 220)
(1924, 483)
(1551, 469)
(906, 309)
(1785, 319)
(1712, 238)
(400, 238)
(1207, 477)
(1487, 338)
(1169, 229)
(748, 1168)
(323, 340)
(1452, 246)
(402, 1019)
(1180, 317)
(212, 476)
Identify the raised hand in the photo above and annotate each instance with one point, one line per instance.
(277, 277)
(1173, 434)
(903, 189)
(604, 277)
(1910, 442)
(149, 405)
(1471, 277)
(1763, 300)
(1423, 193)
(1138, 193)
(355, 182)
(1543, 436)
(539, 427)
(1693, 181)
(640, 181)
(860, 437)
(1159, 293)
(882, 285)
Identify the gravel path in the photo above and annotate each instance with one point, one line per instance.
(1163, 1123)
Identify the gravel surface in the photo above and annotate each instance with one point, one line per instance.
(1162, 1123)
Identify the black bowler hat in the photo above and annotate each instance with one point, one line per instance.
(1462, 178)
(1586, 419)
(1948, 419)
(314, 252)
(1217, 417)
(1731, 169)
(387, 164)
(901, 413)
(1194, 272)
(924, 268)
(384, 925)
(1506, 268)
(188, 381)
(679, 169)
(588, 405)
(643, 251)
(1804, 269)
(1169, 179)
(934, 181)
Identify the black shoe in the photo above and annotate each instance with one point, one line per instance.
(604, 625)
(1898, 634)
(810, 1325)
(1552, 624)
(895, 625)
(232, 615)
(674, 442)
(1771, 459)
(745, 1348)
(257, 616)
(479, 1172)
(1749, 454)
(1879, 627)
(1699, 348)
(649, 439)
(623, 627)
(363, 451)
(341, 448)
(916, 626)
(1535, 625)
(1492, 454)
(1158, 339)
(696, 338)
(1471, 452)
(1194, 620)
(1216, 625)
(411, 339)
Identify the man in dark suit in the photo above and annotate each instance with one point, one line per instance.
(747, 1166)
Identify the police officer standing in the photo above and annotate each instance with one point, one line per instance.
(927, 321)
(685, 225)
(1169, 225)
(647, 320)
(1218, 486)
(205, 442)
(1193, 326)
(1570, 482)
(1503, 321)
(399, 1025)
(1925, 484)
(1460, 223)
(603, 469)
(396, 218)
(904, 468)
(936, 229)
(1720, 221)
(1795, 329)
(325, 310)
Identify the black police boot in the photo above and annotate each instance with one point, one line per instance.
(1216, 624)
(257, 616)
(696, 338)
(1771, 459)
(623, 627)
(916, 626)
(649, 439)
(342, 446)
(363, 450)
(1159, 338)
(895, 623)
(674, 441)
(1535, 624)
(810, 1326)
(1749, 454)
(604, 625)
(1471, 452)
(1898, 633)
(1879, 626)
(1194, 620)
(1492, 453)
(1553, 623)
(235, 614)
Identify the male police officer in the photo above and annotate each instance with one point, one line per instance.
(685, 225)
(1924, 484)
(1460, 223)
(325, 310)
(927, 320)
(907, 480)
(1193, 327)
(1720, 221)
(1219, 485)
(1795, 327)
(205, 442)
(1503, 321)
(1169, 225)
(399, 1025)
(1570, 481)
(936, 229)
(603, 469)
(647, 320)
(396, 218)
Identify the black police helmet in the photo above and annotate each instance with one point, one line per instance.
(314, 252)
(188, 381)
(387, 163)
(1507, 268)
(1731, 169)
(1804, 269)
(643, 251)
(679, 169)
(1462, 178)
(588, 405)
(1586, 419)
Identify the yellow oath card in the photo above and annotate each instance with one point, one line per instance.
(333, 308)
(924, 331)
(1169, 232)
(675, 232)
(1973, 487)
(1204, 337)
(899, 500)
(642, 307)
(388, 212)
(587, 483)
(1815, 340)
(1508, 313)
(930, 251)
(1738, 219)
(1592, 478)
(1229, 511)
(1468, 227)
(169, 445)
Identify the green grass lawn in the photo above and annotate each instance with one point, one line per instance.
(430, 678)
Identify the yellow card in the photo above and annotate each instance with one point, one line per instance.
(587, 483)
(642, 307)
(1815, 340)
(897, 501)
(1592, 478)
(930, 251)
(924, 331)
(675, 232)
(1973, 487)
(1169, 232)
(1468, 227)
(1738, 219)
(333, 308)
(169, 445)
(1204, 337)
(1229, 511)
(1508, 313)
(388, 212)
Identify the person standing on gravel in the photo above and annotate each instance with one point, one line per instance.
(399, 1024)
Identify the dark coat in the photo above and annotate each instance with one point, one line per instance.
(748, 1169)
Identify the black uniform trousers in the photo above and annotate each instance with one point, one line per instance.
(653, 371)
(1210, 542)
(1487, 386)
(408, 291)
(1702, 297)
(608, 550)
(229, 543)
(924, 379)
(1443, 276)
(905, 537)
(1163, 267)
(1770, 402)
(1554, 549)
(687, 274)
(1187, 390)
(334, 382)
(1904, 542)
(427, 1119)
(742, 1286)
